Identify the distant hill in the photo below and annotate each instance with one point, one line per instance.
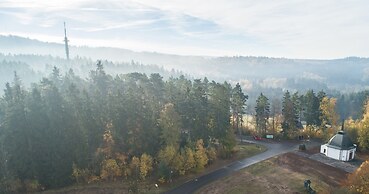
(347, 74)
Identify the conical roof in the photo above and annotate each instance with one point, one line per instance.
(341, 141)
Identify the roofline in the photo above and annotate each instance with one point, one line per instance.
(339, 148)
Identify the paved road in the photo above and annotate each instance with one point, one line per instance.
(274, 149)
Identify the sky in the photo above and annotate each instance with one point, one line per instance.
(314, 29)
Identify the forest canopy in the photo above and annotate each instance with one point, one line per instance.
(65, 128)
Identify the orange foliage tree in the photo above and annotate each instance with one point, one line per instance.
(359, 180)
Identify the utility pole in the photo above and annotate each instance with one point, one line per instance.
(66, 43)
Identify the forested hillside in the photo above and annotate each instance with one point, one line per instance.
(347, 75)
(66, 129)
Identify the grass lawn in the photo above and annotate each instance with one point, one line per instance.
(241, 151)
(282, 174)
(248, 150)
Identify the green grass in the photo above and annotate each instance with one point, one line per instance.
(248, 150)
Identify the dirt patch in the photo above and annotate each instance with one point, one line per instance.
(283, 174)
(362, 155)
(329, 174)
(313, 150)
(254, 184)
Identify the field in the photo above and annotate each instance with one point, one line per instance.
(121, 187)
(282, 174)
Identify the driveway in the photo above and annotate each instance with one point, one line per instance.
(274, 149)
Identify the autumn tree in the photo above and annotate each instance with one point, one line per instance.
(189, 159)
(165, 159)
(200, 155)
(146, 165)
(364, 128)
(358, 180)
(110, 170)
(328, 116)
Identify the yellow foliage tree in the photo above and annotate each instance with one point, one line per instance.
(135, 166)
(178, 164)
(329, 117)
(359, 180)
(80, 175)
(189, 159)
(166, 155)
(364, 128)
(122, 163)
(107, 149)
(352, 129)
(145, 165)
(200, 155)
(110, 170)
(212, 154)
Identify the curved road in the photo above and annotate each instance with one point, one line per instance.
(274, 149)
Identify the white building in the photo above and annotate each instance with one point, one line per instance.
(339, 147)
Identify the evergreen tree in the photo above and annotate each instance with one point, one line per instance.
(312, 111)
(290, 116)
(238, 103)
(262, 110)
(171, 126)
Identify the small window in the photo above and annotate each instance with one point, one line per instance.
(324, 151)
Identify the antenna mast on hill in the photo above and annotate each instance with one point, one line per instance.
(66, 43)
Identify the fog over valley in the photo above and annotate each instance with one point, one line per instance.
(184, 96)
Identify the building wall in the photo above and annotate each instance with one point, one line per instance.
(323, 149)
(346, 154)
(343, 155)
(334, 153)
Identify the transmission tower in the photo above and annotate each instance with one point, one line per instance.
(66, 43)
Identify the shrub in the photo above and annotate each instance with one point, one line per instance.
(358, 180)
(110, 170)
(32, 185)
(212, 154)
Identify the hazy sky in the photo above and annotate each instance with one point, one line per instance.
(278, 28)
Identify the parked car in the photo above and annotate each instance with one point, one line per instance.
(257, 137)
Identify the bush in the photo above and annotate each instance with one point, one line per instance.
(212, 154)
(224, 152)
(13, 186)
(110, 170)
(163, 172)
(18, 186)
(32, 185)
(358, 180)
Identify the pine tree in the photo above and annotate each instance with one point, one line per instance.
(170, 124)
(262, 110)
(238, 103)
(290, 116)
(311, 107)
